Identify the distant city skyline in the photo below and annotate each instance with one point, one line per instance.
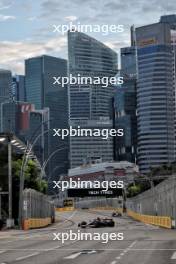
(26, 27)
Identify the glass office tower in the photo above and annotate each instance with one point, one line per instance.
(42, 93)
(125, 107)
(90, 105)
(39, 120)
(5, 91)
(18, 88)
(156, 94)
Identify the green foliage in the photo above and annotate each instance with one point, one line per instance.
(154, 177)
(133, 190)
(165, 169)
(32, 175)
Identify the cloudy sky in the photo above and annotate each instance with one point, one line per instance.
(27, 25)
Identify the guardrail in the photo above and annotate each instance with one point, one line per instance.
(163, 221)
(36, 223)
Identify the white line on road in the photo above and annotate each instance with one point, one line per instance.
(132, 244)
(83, 249)
(73, 256)
(124, 251)
(28, 256)
(50, 249)
(1, 252)
(173, 256)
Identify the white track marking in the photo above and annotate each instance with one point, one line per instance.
(73, 256)
(28, 256)
(173, 256)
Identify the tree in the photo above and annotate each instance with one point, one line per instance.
(31, 175)
(133, 190)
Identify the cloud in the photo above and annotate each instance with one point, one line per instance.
(5, 18)
(32, 18)
(13, 53)
(5, 7)
(71, 18)
(5, 4)
(45, 13)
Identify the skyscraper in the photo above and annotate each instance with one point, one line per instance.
(42, 93)
(18, 88)
(156, 93)
(39, 121)
(16, 118)
(125, 106)
(5, 90)
(90, 105)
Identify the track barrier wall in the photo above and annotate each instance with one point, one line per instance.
(157, 205)
(64, 209)
(163, 221)
(38, 210)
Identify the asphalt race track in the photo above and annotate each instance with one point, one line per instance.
(142, 244)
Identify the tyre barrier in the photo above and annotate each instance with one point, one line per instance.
(163, 221)
(36, 223)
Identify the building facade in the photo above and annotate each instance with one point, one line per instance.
(43, 94)
(39, 121)
(5, 91)
(90, 104)
(18, 88)
(125, 107)
(16, 118)
(156, 93)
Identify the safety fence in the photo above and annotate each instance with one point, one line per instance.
(163, 221)
(105, 203)
(157, 201)
(118, 210)
(38, 210)
(66, 209)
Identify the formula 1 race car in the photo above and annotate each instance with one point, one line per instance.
(98, 222)
(116, 214)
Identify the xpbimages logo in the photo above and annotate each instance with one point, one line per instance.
(80, 236)
(104, 133)
(104, 29)
(104, 81)
(80, 184)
